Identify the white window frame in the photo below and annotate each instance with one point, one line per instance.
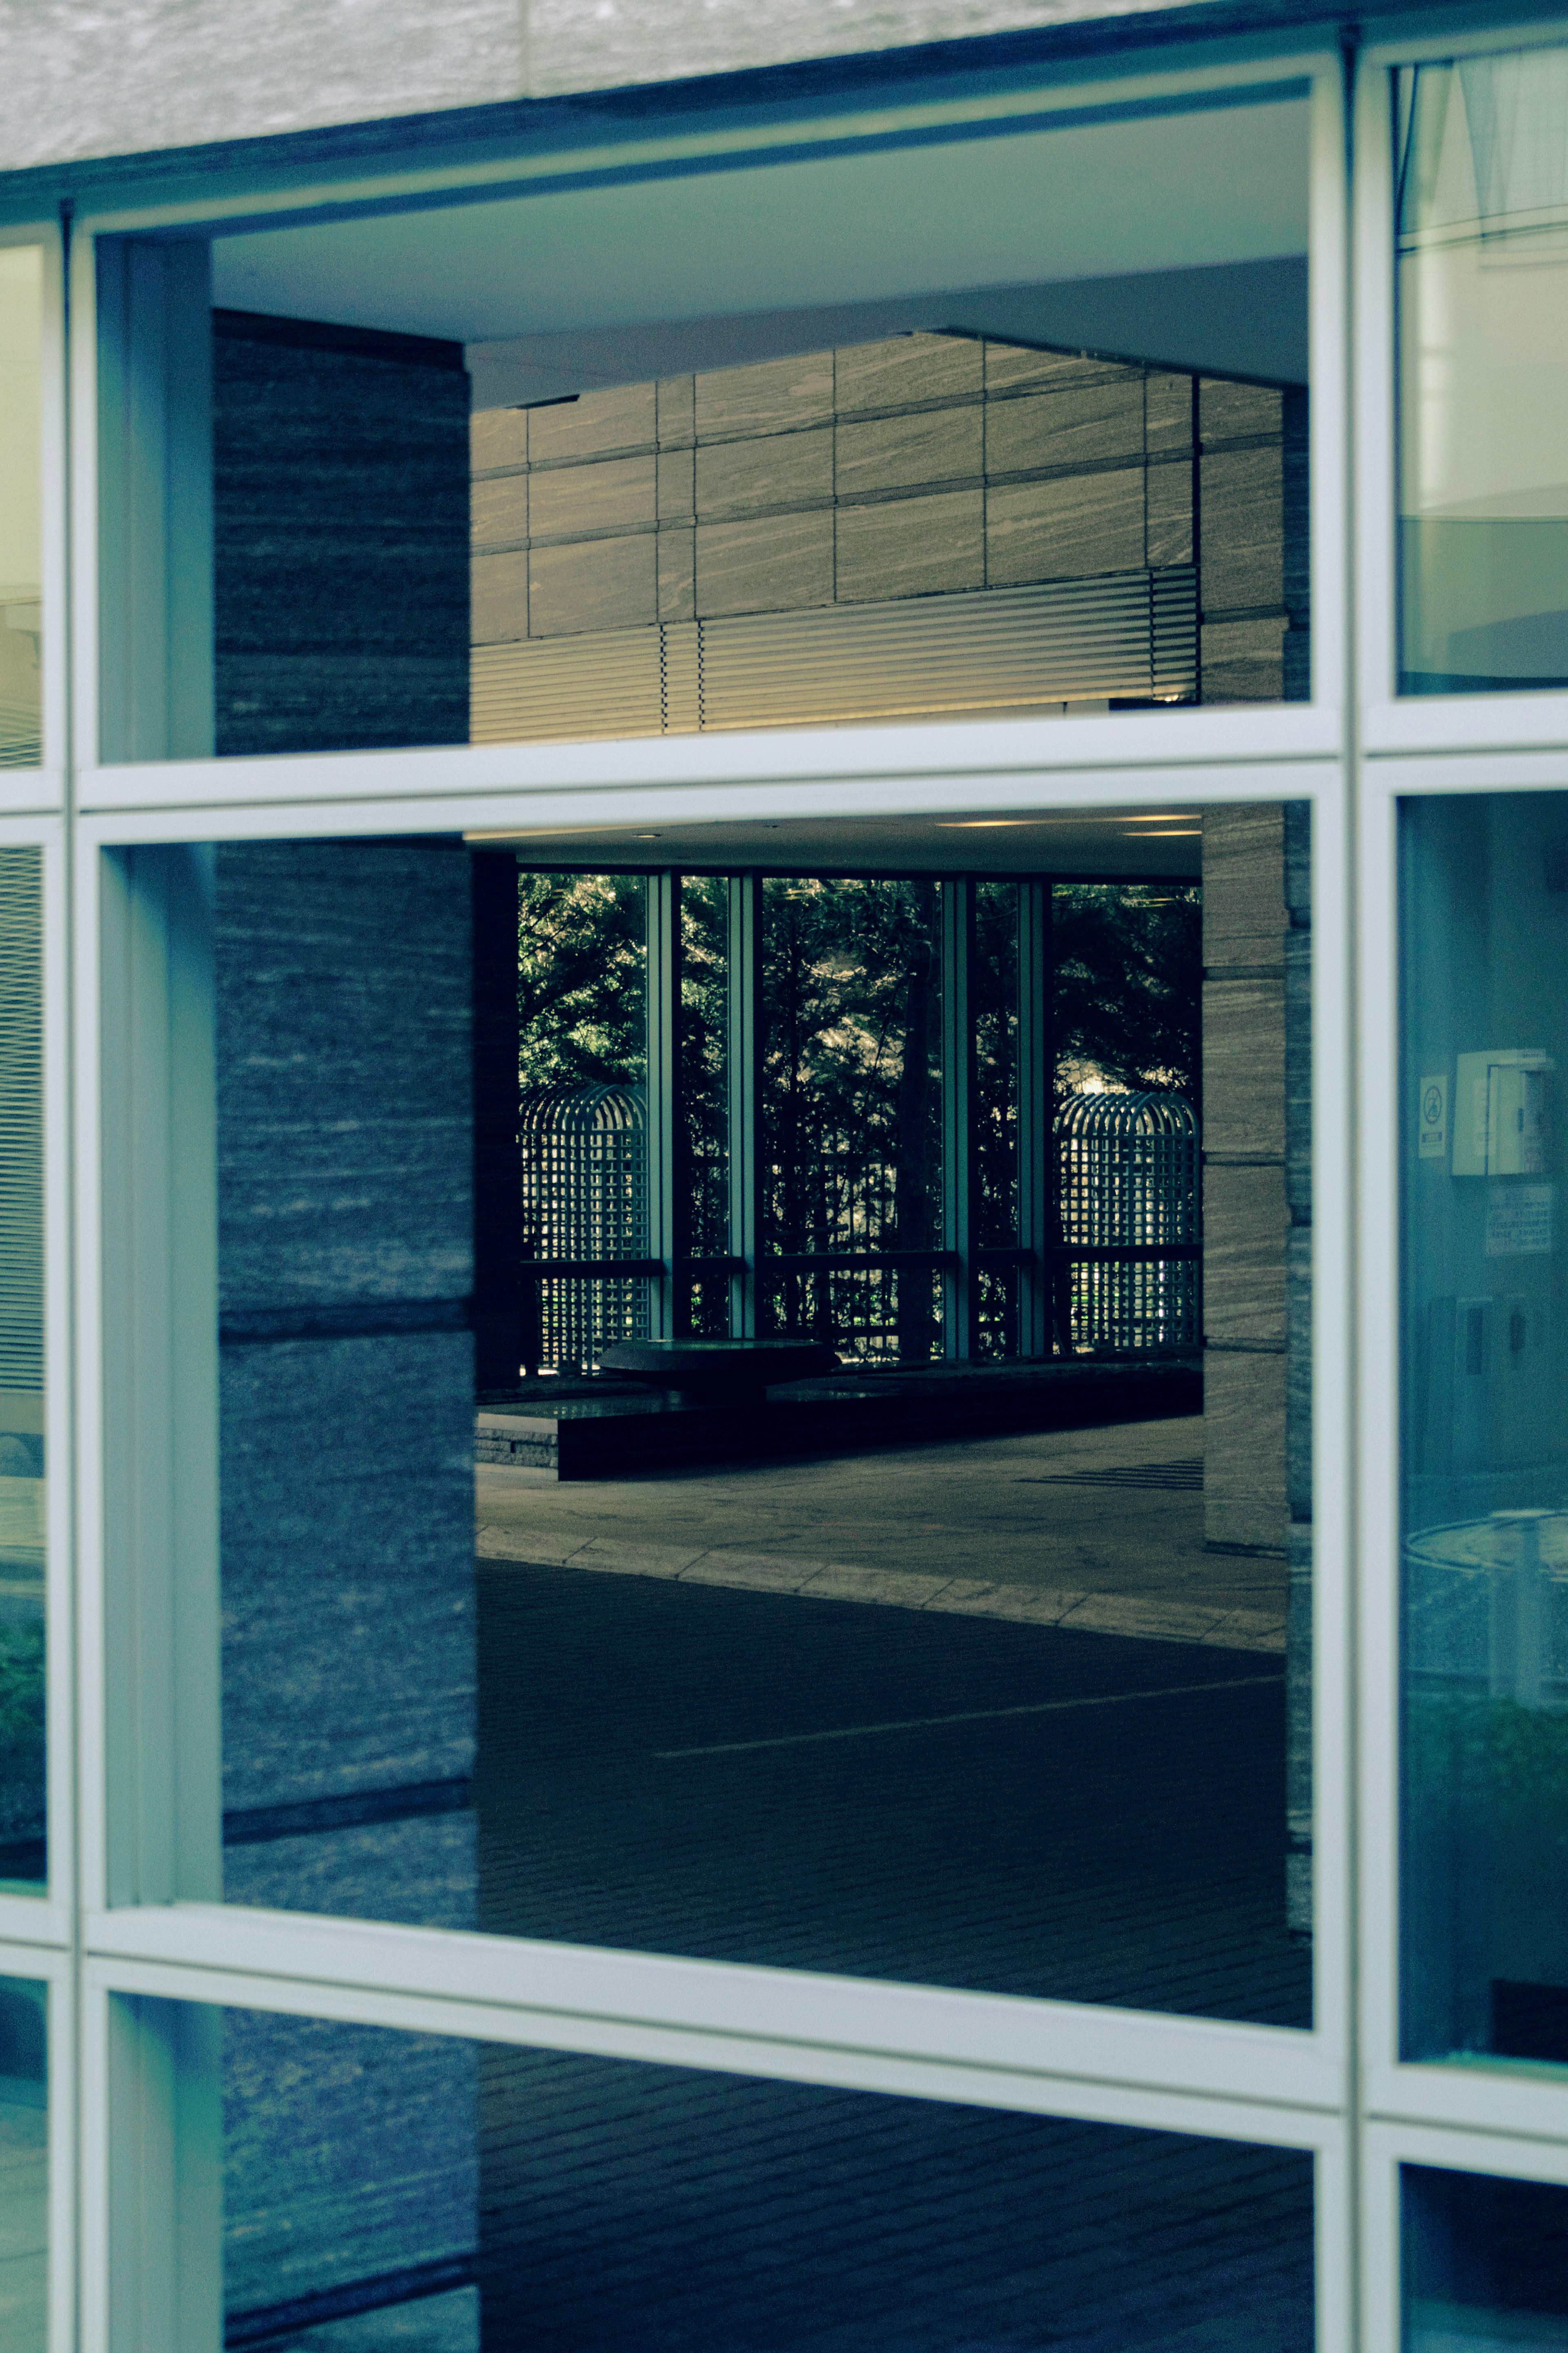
(145, 2103)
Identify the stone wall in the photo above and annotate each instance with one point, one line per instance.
(344, 1038)
(1246, 1215)
(916, 466)
(340, 514)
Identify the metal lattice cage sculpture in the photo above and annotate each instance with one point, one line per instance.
(585, 1196)
(1128, 1169)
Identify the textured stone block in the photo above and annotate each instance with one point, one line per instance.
(676, 410)
(1244, 883)
(1080, 426)
(1243, 661)
(341, 701)
(1245, 1226)
(1168, 513)
(498, 437)
(350, 2152)
(676, 483)
(780, 469)
(498, 510)
(1243, 1450)
(1243, 530)
(604, 496)
(767, 566)
(912, 547)
(1008, 366)
(677, 576)
(596, 584)
(767, 398)
(1167, 413)
(341, 499)
(886, 453)
(343, 1088)
(594, 425)
(347, 1530)
(1228, 412)
(421, 1872)
(1298, 1072)
(500, 597)
(1243, 1066)
(1070, 528)
(907, 369)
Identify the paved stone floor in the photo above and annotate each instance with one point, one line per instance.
(1039, 1529)
(629, 2208)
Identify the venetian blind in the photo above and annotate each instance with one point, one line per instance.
(1120, 637)
(21, 1121)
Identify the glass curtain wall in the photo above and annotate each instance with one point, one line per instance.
(21, 1518)
(385, 2188)
(1482, 178)
(24, 2165)
(21, 507)
(1484, 1025)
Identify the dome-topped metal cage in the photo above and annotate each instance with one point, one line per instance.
(1128, 1171)
(585, 1196)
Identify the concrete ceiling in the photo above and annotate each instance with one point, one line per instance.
(1017, 214)
(1162, 841)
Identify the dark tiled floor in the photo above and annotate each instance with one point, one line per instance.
(1118, 1848)
(629, 2208)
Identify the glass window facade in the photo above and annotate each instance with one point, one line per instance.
(24, 2165)
(21, 506)
(1485, 1902)
(1482, 177)
(913, 1800)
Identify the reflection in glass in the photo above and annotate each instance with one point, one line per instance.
(22, 1531)
(21, 507)
(23, 2165)
(583, 1080)
(1483, 334)
(704, 1107)
(1484, 2262)
(994, 1005)
(385, 2189)
(1485, 1022)
(851, 1111)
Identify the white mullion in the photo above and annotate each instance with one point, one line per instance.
(588, 1985)
(521, 819)
(1334, 1433)
(772, 2056)
(915, 753)
(1378, 1091)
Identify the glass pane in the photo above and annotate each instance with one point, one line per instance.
(22, 1527)
(1485, 1024)
(851, 1108)
(1485, 2262)
(1043, 452)
(385, 2189)
(763, 1669)
(583, 1077)
(21, 506)
(704, 1089)
(1483, 341)
(23, 2165)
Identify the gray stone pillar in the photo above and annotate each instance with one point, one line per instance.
(345, 1141)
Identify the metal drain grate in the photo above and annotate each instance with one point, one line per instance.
(1183, 1478)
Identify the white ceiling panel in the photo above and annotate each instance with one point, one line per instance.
(1165, 193)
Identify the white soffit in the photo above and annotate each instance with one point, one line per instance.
(1158, 193)
(1163, 841)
